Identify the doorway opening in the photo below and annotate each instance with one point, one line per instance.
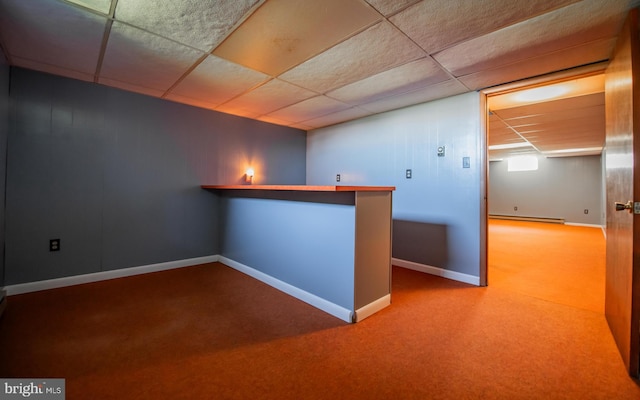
(545, 218)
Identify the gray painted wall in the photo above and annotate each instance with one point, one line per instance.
(437, 212)
(4, 128)
(560, 188)
(116, 175)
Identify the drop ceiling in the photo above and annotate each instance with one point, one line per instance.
(309, 64)
(562, 119)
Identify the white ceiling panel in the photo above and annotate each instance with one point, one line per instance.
(437, 24)
(338, 117)
(437, 91)
(190, 101)
(101, 6)
(402, 79)
(584, 22)
(557, 61)
(563, 107)
(52, 33)
(216, 80)
(131, 87)
(389, 7)
(145, 60)
(284, 33)
(309, 109)
(377, 49)
(305, 64)
(269, 97)
(202, 24)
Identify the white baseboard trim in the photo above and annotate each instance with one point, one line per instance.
(372, 308)
(318, 302)
(105, 275)
(585, 225)
(445, 273)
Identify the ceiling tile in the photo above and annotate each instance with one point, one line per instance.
(52, 33)
(556, 61)
(309, 109)
(269, 97)
(389, 7)
(562, 106)
(138, 57)
(437, 24)
(337, 117)
(587, 21)
(377, 49)
(131, 87)
(402, 79)
(202, 24)
(102, 6)
(51, 69)
(433, 92)
(274, 120)
(284, 33)
(216, 80)
(190, 101)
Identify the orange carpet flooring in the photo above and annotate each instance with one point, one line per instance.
(555, 262)
(209, 332)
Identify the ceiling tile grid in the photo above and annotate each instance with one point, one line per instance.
(307, 64)
(284, 33)
(437, 24)
(390, 7)
(41, 34)
(271, 96)
(202, 24)
(309, 109)
(379, 48)
(576, 24)
(216, 80)
(143, 59)
(405, 78)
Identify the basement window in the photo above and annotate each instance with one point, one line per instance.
(522, 163)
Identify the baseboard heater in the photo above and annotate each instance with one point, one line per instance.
(530, 219)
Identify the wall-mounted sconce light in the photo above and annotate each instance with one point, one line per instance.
(248, 175)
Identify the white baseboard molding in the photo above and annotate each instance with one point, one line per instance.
(318, 302)
(445, 273)
(585, 225)
(372, 308)
(105, 275)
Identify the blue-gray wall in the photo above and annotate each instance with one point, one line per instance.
(317, 260)
(562, 187)
(115, 175)
(4, 128)
(437, 212)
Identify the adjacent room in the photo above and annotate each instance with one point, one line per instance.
(547, 191)
(285, 199)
